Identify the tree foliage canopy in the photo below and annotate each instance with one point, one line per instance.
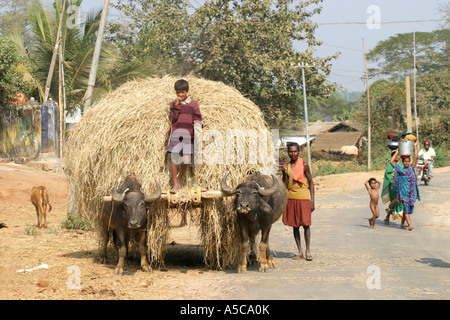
(78, 42)
(245, 43)
(395, 61)
(11, 80)
(395, 56)
(13, 16)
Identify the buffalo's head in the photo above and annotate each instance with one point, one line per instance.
(251, 195)
(135, 204)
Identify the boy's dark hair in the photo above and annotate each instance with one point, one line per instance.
(293, 144)
(372, 179)
(181, 85)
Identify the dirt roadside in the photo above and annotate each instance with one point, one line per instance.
(69, 253)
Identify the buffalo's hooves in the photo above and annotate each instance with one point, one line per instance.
(242, 269)
(146, 269)
(264, 267)
(119, 271)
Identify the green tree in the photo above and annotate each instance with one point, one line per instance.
(247, 44)
(395, 56)
(336, 106)
(13, 16)
(78, 42)
(388, 110)
(11, 80)
(155, 33)
(433, 104)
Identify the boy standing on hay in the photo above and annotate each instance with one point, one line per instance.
(185, 116)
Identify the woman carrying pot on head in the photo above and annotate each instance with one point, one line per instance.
(405, 184)
(395, 207)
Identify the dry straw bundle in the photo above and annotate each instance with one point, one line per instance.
(127, 133)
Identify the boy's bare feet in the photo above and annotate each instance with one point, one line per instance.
(175, 188)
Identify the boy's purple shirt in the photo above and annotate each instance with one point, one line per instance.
(183, 116)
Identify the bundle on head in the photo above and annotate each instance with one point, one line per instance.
(127, 133)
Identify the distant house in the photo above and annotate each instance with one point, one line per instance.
(73, 118)
(329, 140)
(295, 137)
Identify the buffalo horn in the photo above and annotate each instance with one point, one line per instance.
(119, 197)
(155, 195)
(271, 190)
(225, 187)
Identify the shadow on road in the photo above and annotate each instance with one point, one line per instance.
(434, 262)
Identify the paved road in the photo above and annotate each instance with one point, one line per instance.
(352, 261)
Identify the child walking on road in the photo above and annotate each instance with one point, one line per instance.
(372, 186)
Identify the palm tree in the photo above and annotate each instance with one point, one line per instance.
(78, 43)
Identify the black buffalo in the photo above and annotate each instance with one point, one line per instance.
(260, 201)
(126, 216)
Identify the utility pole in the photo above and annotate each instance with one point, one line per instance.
(306, 117)
(369, 156)
(415, 102)
(95, 58)
(305, 105)
(55, 52)
(408, 105)
(61, 96)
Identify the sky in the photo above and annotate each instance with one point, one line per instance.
(348, 69)
(344, 23)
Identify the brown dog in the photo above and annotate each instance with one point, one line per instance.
(39, 198)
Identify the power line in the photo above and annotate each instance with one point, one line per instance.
(350, 71)
(343, 79)
(343, 75)
(339, 47)
(338, 79)
(381, 22)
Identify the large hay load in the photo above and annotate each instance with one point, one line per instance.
(127, 133)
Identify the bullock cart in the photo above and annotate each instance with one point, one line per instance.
(125, 133)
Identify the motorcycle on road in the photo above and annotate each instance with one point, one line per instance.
(422, 172)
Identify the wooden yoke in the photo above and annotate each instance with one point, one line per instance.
(185, 201)
(183, 196)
